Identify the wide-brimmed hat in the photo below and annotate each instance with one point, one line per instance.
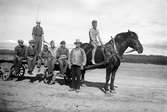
(63, 42)
(77, 41)
(20, 41)
(31, 41)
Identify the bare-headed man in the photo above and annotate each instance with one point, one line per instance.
(94, 36)
(37, 34)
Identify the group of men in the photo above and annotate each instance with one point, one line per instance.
(49, 56)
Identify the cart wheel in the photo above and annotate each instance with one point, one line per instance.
(20, 72)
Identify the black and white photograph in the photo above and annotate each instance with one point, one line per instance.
(83, 56)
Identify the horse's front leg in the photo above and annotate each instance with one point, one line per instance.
(108, 73)
(112, 79)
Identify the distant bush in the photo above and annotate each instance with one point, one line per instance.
(6, 51)
(147, 59)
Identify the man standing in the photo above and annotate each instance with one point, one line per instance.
(31, 56)
(37, 34)
(20, 51)
(94, 37)
(62, 56)
(76, 63)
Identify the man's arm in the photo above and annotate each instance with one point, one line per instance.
(68, 54)
(91, 35)
(16, 52)
(57, 53)
(98, 36)
(33, 32)
(70, 59)
(26, 54)
(43, 39)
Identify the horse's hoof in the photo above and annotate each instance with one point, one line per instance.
(112, 91)
(83, 85)
(115, 86)
(108, 93)
(82, 81)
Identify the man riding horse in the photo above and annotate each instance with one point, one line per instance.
(94, 36)
(109, 56)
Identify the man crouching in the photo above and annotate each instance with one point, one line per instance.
(77, 62)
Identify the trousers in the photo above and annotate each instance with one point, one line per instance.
(38, 45)
(51, 64)
(76, 74)
(31, 64)
(63, 65)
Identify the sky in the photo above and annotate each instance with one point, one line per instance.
(71, 19)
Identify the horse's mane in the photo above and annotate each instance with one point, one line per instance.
(125, 35)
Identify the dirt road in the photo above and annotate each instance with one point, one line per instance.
(141, 88)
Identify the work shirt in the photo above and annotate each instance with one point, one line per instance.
(30, 52)
(94, 35)
(45, 54)
(37, 31)
(20, 51)
(62, 53)
(78, 57)
(53, 51)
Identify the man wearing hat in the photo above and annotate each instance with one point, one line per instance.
(76, 63)
(20, 51)
(31, 56)
(62, 55)
(94, 36)
(37, 34)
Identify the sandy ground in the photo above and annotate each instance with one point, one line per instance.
(141, 88)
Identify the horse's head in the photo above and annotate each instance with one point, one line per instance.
(134, 42)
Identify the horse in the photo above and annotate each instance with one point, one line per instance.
(112, 61)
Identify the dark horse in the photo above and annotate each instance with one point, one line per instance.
(122, 42)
